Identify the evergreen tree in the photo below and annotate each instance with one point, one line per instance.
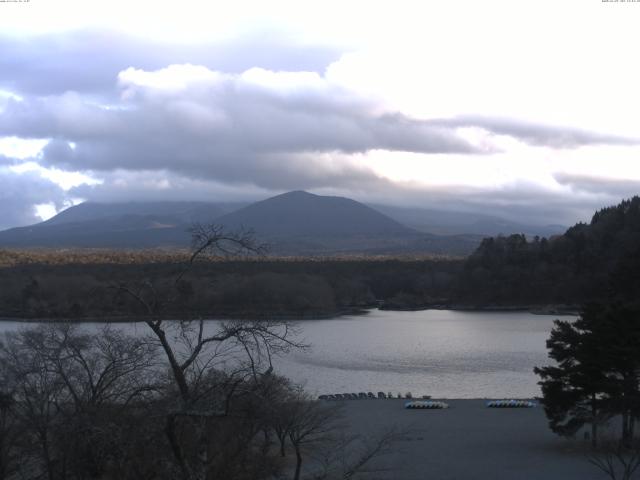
(574, 389)
(597, 370)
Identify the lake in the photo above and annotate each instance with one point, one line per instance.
(442, 353)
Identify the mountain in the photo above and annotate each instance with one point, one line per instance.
(119, 225)
(301, 223)
(300, 213)
(443, 222)
(294, 223)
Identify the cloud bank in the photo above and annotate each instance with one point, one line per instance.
(247, 118)
(276, 130)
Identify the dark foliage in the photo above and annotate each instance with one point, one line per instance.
(590, 261)
(256, 288)
(597, 371)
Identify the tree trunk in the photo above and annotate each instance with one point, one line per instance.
(298, 463)
(594, 422)
(626, 429)
(178, 374)
(266, 446)
(47, 456)
(282, 452)
(170, 432)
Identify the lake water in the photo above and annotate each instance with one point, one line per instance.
(442, 353)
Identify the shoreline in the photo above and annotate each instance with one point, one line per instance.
(560, 310)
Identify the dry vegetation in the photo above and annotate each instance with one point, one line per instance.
(14, 257)
(42, 256)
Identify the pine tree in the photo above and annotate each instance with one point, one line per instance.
(597, 375)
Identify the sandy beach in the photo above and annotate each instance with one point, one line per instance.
(469, 442)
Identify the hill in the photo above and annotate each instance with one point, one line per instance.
(445, 222)
(119, 225)
(301, 213)
(300, 223)
(173, 213)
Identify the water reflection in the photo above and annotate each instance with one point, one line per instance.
(440, 353)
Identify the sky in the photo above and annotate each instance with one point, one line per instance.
(529, 110)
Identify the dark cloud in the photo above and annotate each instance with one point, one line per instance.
(537, 134)
(163, 185)
(6, 161)
(599, 185)
(274, 130)
(150, 185)
(88, 61)
(20, 193)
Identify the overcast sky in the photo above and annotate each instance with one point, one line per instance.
(525, 109)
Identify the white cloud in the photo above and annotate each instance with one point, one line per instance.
(45, 210)
(64, 179)
(21, 148)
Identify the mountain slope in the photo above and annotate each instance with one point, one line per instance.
(304, 214)
(301, 223)
(294, 223)
(171, 212)
(119, 225)
(443, 222)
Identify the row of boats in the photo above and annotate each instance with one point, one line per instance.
(428, 404)
(364, 396)
(511, 404)
(418, 404)
(425, 403)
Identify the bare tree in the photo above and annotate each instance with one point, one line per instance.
(351, 456)
(68, 391)
(192, 351)
(309, 423)
(9, 433)
(38, 393)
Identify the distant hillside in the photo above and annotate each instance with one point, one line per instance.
(294, 223)
(118, 225)
(172, 213)
(601, 258)
(444, 222)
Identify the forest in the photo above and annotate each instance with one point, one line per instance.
(589, 262)
(296, 288)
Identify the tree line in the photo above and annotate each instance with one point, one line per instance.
(252, 288)
(590, 261)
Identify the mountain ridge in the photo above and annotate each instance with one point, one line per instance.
(294, 223)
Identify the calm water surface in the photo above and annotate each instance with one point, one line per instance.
(442, 353)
